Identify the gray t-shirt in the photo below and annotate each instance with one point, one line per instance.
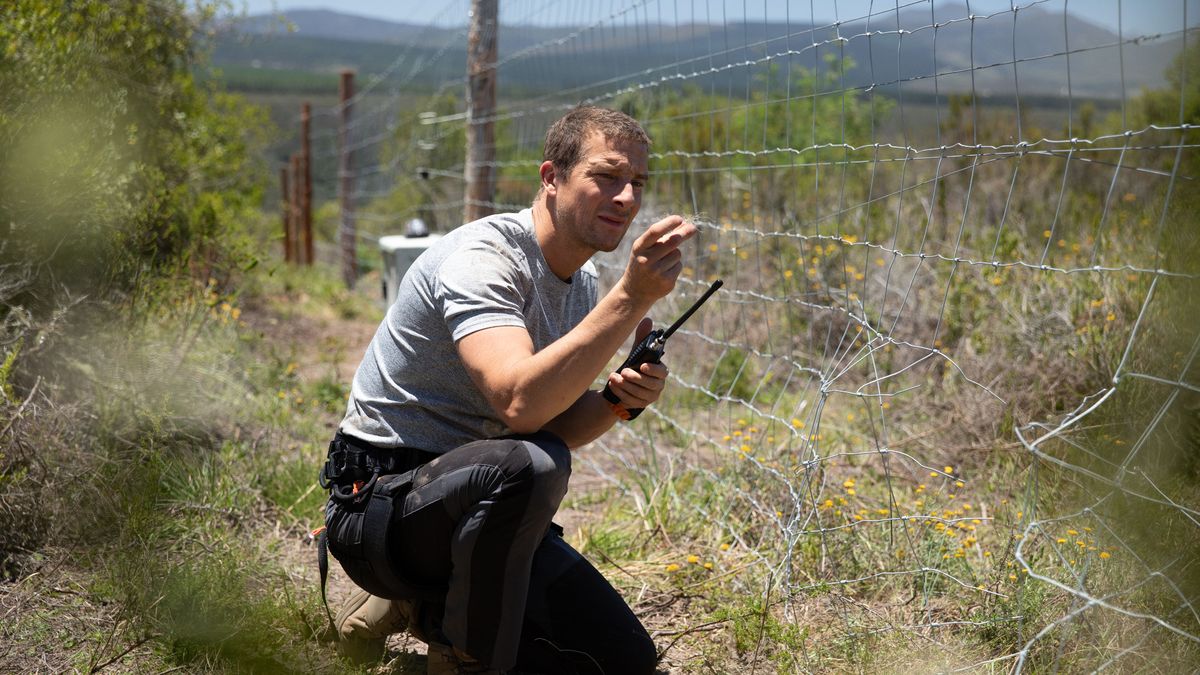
(411, 388)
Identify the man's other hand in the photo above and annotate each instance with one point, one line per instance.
(639, 388)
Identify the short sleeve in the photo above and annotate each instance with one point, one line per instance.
(479, 286)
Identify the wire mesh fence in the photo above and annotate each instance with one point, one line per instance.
(949, 400)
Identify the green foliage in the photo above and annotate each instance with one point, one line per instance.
(733, 375)
(6, 368)
(785, 121)
(116, 168)
(1179, 101)
(260, 80)
(605, 543)
(755, 627)
(432, 152)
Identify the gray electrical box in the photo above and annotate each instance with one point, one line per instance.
(399, 253)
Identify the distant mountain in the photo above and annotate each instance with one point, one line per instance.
(323, 23)
(893, 53)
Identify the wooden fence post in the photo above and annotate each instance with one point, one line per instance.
(285, 200)
(479, 169)
(306, 181)
(294, 209)
(349, 237)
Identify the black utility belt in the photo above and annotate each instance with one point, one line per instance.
(351, 461)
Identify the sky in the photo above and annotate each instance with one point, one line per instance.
(1137, 16)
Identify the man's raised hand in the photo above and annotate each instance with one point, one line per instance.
(655, 261)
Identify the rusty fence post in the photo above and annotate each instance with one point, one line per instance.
(305, 185)
(347, 232)
(285, 201)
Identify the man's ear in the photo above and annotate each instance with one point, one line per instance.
(549, 174)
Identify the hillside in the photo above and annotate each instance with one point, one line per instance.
(552, 58)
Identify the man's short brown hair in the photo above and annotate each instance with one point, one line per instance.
(565, 139)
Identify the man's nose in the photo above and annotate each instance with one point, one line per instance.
(625, 198)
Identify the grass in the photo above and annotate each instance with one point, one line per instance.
(184, 489)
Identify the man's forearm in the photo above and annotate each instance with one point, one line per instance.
(544, 381)
(586, 420)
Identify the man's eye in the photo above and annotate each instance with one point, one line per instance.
(639, 184)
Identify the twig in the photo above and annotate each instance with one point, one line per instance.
(122, 655)
(679, 635)
(301, 498)
(12, 420)
(612, 562)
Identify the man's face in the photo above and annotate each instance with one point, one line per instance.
(597, 200)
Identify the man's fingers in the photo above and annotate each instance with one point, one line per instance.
(656, 371)
(665, 236)
(680, 234)
(632, 395)
(662, 228)
(648, 377)
(639, 388)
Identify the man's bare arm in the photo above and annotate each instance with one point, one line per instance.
(527, 389)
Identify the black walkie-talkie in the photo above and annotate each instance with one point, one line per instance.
(650, 350)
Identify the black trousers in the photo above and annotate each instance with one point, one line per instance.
(478, 520)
